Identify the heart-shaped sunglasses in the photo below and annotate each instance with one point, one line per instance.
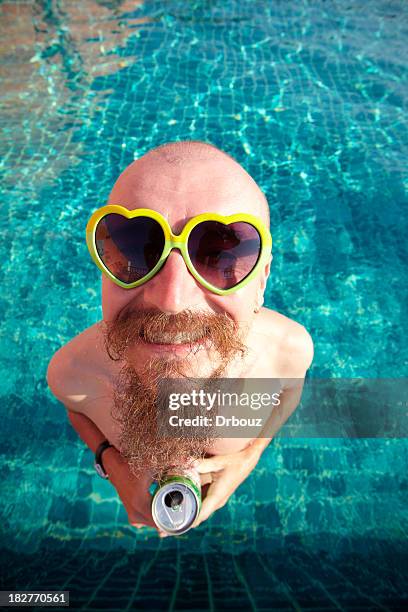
(222, 253)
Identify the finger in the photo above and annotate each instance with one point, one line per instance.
(214, 464)
(213, 501)
(206, 479)
(162, 534)
(137, 518)
(204, 491)
(148, 521)
(210, 505)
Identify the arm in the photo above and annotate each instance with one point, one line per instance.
(88, 432)
(133, 492)
(289, 401)
(227, 472)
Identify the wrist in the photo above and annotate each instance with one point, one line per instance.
(255, 450)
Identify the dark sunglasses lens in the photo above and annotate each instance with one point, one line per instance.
(224, 254)
(129, 248)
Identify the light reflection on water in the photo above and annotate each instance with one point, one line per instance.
(311, 99)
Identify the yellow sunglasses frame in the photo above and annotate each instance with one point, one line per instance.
(173, 241)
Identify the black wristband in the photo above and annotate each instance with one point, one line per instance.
(98, 458)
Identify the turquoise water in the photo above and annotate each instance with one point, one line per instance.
(311, 98)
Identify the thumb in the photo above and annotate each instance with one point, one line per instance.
(214, 464)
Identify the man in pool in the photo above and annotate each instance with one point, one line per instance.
(166, 314)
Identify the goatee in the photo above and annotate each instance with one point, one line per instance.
(140, 393)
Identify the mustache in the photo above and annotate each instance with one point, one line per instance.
(134, 327)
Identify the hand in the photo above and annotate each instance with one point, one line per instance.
(133, 491)
(224, 473)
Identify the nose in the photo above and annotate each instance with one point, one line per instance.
(173, 289)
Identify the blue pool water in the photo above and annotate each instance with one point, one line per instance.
(311, 98)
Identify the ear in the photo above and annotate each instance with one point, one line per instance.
(265, 275)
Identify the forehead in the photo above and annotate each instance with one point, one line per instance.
(182, 192)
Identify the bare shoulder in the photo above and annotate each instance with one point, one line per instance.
(81, 348)
(293, 341)
(78, 371)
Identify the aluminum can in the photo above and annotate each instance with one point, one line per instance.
(176, 502)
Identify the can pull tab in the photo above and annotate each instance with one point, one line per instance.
(174, 500)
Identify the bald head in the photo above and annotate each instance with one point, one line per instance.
(189, 151)
(176, 171)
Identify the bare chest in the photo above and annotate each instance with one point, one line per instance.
(95, 375)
